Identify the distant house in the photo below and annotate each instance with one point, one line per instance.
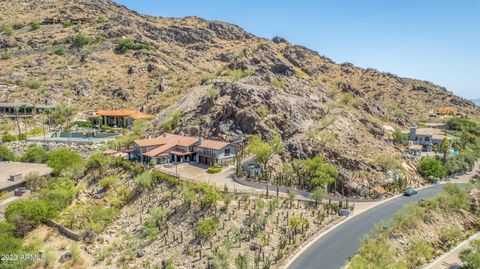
(427, 138)
(118, 118)
(170, 148)
(25, 109)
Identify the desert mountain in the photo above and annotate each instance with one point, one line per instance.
(223, 81)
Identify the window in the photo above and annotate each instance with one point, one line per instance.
(227, 151)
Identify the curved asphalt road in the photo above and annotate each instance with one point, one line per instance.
(332, 250)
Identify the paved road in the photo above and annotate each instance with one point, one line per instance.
(333, 249)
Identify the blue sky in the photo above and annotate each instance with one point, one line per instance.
(435, 40)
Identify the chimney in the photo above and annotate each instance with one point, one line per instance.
(200, 140)
(413, 133)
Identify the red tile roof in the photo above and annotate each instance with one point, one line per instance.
(124, 113)
(168, 141)
(213, 144)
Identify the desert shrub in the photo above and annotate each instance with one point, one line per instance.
(207, 227)
(9, 138)
(277, 83)
(100, 217)
(125, 44)
(213, 93)
(35, 154)
(101, 19)
(26, 214)
(62, 159)
(32, 84)
(144, 180)
(471, 257)
(420, 252)
(5, 55)
(18, 25)
(159, 177)
(6, 154)
(120, 196)
(432, 168)
(398, 137)
(172, 122)
(237, 74)
(7, 29)
(67, 23)
(82, 40)
(8, 242)
(214, 170)
(451, 236)
(59, 193)
(209, 192)
(34, 26)
(108, 181)
(60, 51)
(221, 259)
(35, 131)
(151, 227)
(408, 218)
(297, 222)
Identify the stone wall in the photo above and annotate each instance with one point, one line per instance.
(84, 150)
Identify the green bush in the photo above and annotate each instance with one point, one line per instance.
(125, 44)
(8, 242)
(9, 138)
(108, 181)
(59, 193)
(207, 227)
(67, 23)
(82, 40)
(172, 123)
(26, 214)
(7, 29)
(158, 177)
(6, 154)
(35, 154)
(18, 25)
(432, 168)
(60, 51)
(471, 257)
(214, 170)
(144, 180)
(34, 25)
(237, 74)
(62, 159)
(277, 83)
(210, 194)
(32, 84)
(5, 55)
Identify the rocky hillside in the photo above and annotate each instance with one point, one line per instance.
(224, 81)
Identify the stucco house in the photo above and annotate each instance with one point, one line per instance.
(428, 138)
(169, 148)
(118, 118)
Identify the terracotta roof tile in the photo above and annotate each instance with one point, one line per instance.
(213, 144)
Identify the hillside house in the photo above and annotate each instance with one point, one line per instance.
(171, 148)
(427, 138)
(23, 109)
(118, 118)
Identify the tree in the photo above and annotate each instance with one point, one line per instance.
(432, 168)
(297, 222)
(317, 195)
(471, 257)
(62, 159)
(6, 154)
(35, 154)
(318, 172)
(445, 148)
(59, 193)
(263, 151)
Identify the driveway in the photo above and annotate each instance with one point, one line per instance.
(198, 173)
(335, 248)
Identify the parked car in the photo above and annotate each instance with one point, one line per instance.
(409, 192)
